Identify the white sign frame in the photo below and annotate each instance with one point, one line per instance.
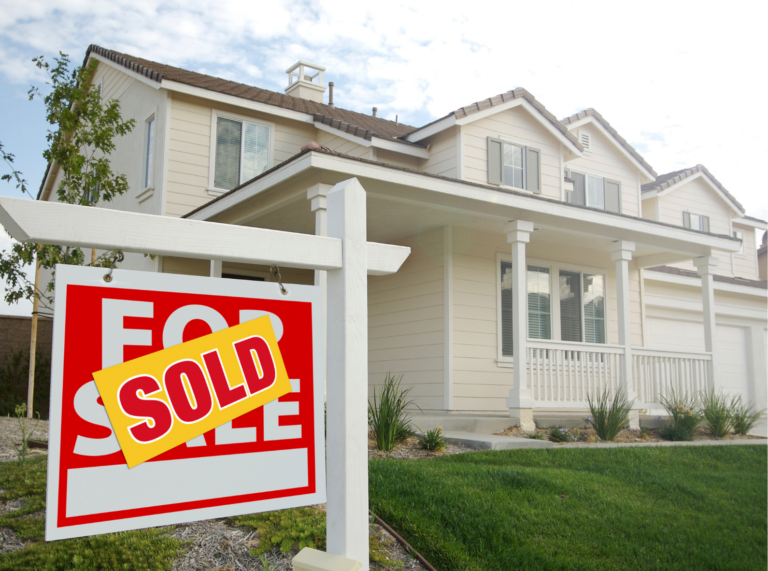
(69, 275)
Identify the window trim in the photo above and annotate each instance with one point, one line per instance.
(148, 184)
(215, 114)
(586, 173)
(507, 140)
(554, 308)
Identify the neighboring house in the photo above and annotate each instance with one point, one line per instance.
(762, 259)
(615, 256)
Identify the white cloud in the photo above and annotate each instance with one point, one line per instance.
(681, 80)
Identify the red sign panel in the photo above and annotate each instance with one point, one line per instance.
(270, 458)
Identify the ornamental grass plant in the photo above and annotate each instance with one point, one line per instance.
(387, 417)
(433, 440)
(744, 416)
(717, 412)
(684, 414)
(609, 416)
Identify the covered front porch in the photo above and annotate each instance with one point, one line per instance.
(456, 321)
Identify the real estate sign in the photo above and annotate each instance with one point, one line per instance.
(271, 457)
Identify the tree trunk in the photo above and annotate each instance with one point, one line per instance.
(33, 341)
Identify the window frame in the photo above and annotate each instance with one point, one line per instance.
(554, 300)
(701, 217)
(215, 114)
(148, 183)
(506, 140)
(586, 174)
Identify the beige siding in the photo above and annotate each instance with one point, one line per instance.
(516, 123)
(745, 265)
(605, 160)
(341, 145)
(698, 197)
(397, 159)
(405, 322)
(190, 148)
(442, 154)
(649, 208)
(479, 382)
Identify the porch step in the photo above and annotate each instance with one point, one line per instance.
(492, 441)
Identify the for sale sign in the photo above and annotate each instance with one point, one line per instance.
(271, 457)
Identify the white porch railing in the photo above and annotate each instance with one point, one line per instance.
(658, 372)
(561, 375)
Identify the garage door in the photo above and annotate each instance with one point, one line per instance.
(730, 345)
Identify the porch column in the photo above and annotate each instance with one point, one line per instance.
(317, 195)
(705, 267)
(621, 253)
(216, 268)
(520, 401)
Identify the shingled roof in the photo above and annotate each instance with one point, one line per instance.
(377, 126)
(669, 179)
(502, 98)
(621, 140)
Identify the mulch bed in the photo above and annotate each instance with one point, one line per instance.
(410, 450)
(588, 435)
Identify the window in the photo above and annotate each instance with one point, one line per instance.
(539, 305)
(595, 191)
(575, 314)
(149, 153)
(242, 151)
(738, 234)
(697, 222)
(515, 165)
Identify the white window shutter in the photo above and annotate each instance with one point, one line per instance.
(687, 219)
(506, 309)
(579, 194)
(705, 223)
(595, 192)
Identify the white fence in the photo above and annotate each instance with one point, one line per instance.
(561, 375)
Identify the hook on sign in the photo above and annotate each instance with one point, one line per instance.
(118, 257)
(275, 271)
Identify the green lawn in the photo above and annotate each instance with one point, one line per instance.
(625, 508)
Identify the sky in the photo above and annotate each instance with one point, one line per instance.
(683, 82)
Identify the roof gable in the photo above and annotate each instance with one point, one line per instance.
(669, 182)
(592, 116)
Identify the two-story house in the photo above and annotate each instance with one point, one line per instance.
(549, 260)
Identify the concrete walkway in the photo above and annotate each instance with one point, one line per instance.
(496, 442)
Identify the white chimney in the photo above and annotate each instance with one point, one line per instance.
(305, 81)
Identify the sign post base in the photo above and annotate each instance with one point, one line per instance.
(313, 560)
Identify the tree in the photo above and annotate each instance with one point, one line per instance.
(79, 143)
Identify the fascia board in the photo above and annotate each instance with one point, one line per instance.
(696, 282)
(433, 129)
(605, 224)
(402, 148)
(713, 186)
(255, 188)
(507, 105)
(593, 120)
(132, 74)
(759, 224)
(237, 101)
(649, 194)
(339, 133)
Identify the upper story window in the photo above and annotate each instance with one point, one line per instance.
(696, 221)
(242, 150)
(738, 234)
(595, 191)
(514, 165)
(575, 313)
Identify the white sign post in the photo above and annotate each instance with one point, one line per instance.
(344, 254)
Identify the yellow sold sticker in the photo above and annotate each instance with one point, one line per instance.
(162, 400)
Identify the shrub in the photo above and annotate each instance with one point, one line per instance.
(387, 417)
(301, 527)
(609, 416)
(559, 434)
(684, 416)
(744, 416)
(717, 413)
(433, 440)
(14, 379)
(645, 434)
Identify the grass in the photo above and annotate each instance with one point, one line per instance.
(147, 549)
(624, 508)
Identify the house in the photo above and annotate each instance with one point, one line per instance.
(631, 279)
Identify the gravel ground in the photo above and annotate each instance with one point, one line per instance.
(10, 433)
(410, 450)
(587, 435)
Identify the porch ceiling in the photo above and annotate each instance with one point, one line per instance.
(404, 203)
